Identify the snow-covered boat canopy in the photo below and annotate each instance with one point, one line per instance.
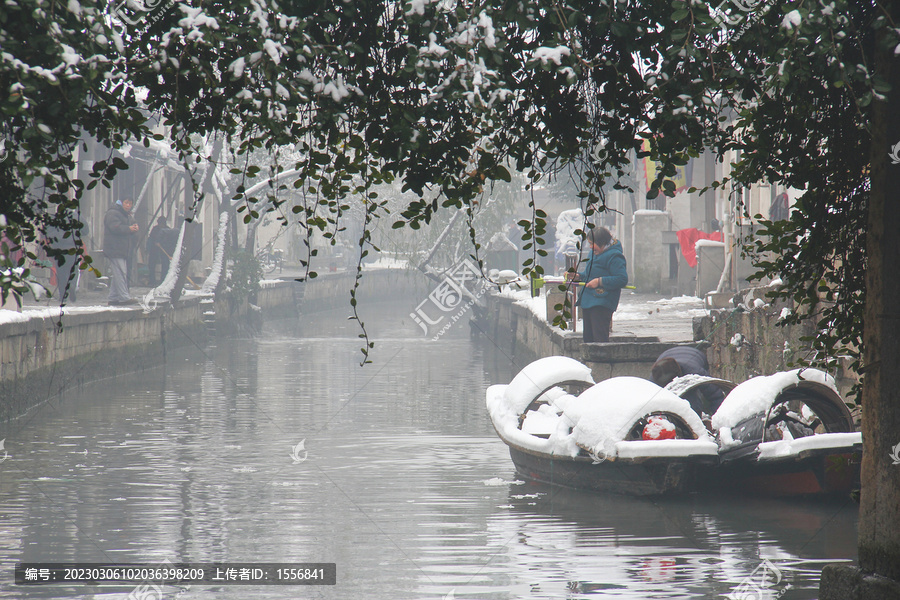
(757, 395)
(598, 420)
(535, 413)
(540, 376)
(605, 414)
(684, 384)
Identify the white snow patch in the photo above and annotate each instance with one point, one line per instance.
(690, 306)
(195, 17)
(756, 395)
(416, 7)
(566, 224)
(791, 20)
(237, 67)
(604, 414)
(209, 286)
(27, 314)
(499, 481)
(537, 305)
(541, 375)
(680, 385)
(666, 448)
(387, 262)
(500, 241)
(554, 55)
(790, 447)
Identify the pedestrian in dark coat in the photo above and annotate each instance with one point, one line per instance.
(160, 244)
(687, 360)
(119, 236)
(604, 275)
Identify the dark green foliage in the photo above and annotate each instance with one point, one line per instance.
(448, 97)
(243, 277)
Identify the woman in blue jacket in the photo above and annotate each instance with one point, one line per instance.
(604, 275)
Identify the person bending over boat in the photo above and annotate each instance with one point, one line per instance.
(604, 275)
(686, 360)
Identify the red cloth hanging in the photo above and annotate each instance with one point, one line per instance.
(688, 237)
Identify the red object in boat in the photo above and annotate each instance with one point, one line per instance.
(658, 428)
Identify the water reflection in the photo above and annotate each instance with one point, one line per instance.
(404, 484)
(675, 548)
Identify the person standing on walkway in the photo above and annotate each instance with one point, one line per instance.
(604, 276)
(119, 235)
(160, 245)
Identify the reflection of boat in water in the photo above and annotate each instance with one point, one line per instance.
(785, 434)
(697, 545)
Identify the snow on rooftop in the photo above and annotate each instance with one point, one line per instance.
(500, 241)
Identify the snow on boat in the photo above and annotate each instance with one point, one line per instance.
(788, 433)
(624, 435)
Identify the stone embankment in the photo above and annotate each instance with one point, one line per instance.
(739, 344)
(525, 335)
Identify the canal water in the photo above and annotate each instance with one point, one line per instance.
(282, 449)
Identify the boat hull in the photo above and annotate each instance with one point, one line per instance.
(821, 473)
(649, 477)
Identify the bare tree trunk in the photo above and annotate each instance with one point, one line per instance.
(879, 511)
(423, 266)
(878, 575)
(206, 188)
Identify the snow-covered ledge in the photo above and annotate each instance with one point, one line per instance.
(517, 326)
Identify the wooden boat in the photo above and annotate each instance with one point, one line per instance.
(595, 440)
(785, 434)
